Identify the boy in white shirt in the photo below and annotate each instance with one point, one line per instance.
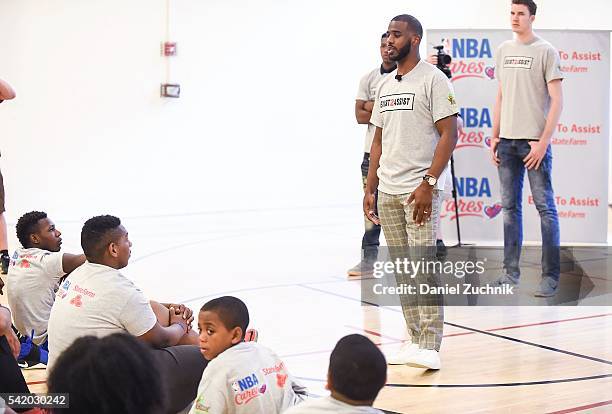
(242, 377)
(33, 278)
(357, 372)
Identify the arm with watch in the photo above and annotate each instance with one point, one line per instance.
(423, 195)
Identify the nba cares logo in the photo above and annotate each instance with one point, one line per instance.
(493, 211)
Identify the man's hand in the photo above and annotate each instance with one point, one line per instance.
(535, 156)
(422, 198)
(433, 59)
(185, 313)
(494, 157)
(369, 200)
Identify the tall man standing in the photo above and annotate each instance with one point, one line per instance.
(363, 111)
(416, 131)
(527, 110)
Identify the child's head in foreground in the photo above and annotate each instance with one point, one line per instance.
(357, 370)
(222, 322)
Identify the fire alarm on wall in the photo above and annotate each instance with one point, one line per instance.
(169, 48)
(170, 90)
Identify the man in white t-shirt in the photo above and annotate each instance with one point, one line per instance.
(242, 377)
(35, 273)
(363, 111)
(33, 278)
(527, 110)
(357, 372)
(415, 115)
(98, 300)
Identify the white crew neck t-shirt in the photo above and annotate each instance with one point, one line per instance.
(31, 283)
(97, 300)
(407, 111)
(247, 378)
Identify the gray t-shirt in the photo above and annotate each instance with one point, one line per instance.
(31, 283)
(329, 405)
(96, 300)
(368, 85)
(407, 111)
(524, 71)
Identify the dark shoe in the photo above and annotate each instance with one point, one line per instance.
(31, 354)
(441, 251)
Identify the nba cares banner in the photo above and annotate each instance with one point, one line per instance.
(579, 143)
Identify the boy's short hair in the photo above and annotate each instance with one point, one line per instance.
(357, 368)
(231, 311)
(96, 235)
(28, 225)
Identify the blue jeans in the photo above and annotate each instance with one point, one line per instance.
(511, 172)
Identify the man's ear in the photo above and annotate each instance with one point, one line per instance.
(329, 385)
(237, 335)
(112, 249)
(34, 239)
(532, 18)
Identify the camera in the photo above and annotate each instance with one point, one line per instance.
(443, 61)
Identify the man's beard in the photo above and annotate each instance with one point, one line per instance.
(402, 53)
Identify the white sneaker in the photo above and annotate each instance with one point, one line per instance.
(403, 355)
(425, 358)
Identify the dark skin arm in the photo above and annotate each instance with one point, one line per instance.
(72, 261)
(369, 198)
(160, 337)
(422, 196)
(363, 111)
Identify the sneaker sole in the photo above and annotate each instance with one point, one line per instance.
(544, 295)
(417, 365)
(36, 366)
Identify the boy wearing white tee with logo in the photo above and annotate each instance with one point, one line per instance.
(33, 278)
(242, 377)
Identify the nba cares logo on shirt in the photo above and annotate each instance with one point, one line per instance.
(247, 389)
(63, 291)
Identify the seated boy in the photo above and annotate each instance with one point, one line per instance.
(33, 278)
(242, 377)
(357, 372)
(98, 300)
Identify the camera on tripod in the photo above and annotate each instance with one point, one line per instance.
(443, 61)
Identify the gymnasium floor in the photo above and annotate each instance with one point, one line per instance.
(289, 266)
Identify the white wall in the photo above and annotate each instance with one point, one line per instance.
(266, 113)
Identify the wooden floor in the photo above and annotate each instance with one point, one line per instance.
(289, 267)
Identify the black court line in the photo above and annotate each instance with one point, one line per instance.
(467, 328)
(550, 348)
(492, 385)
